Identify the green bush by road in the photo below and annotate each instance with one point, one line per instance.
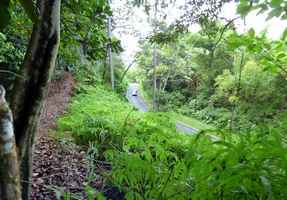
(150, 160)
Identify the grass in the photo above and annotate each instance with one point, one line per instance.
(194, 123)
(147, 97)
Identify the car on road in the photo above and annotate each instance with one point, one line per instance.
(135, 93)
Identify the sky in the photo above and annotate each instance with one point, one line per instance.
(139, 23)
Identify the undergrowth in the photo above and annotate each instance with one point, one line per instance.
(149, 159)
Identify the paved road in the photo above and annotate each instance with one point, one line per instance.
(185, 128)
(137, 101)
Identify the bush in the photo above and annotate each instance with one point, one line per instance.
(11, 58)
(150, 160)
(93, 118)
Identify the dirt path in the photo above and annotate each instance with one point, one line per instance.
(59, 94)
(56, 166)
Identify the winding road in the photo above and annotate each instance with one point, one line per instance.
(138, 102)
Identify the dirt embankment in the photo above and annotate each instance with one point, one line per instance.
(56, 166)
(60, 165)
(59, 95)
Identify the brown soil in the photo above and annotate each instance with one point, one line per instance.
(57, 166)
(59, 94)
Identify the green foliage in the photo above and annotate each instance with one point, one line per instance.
(187, 69)
(13, 43)
(201, 75)
(244, 7)
(89, 194)
(104, 130)
(7, 7)
(89, 73)
(9, 53)
(192, 122)
(150, 160)
(168, 34)
(84, 34)
(4, 13)
(242, 164)
(217, 75)
(10, 60)
(30, 9)
(274, 8)
(257, 85)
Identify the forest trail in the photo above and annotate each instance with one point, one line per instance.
(138, 102)
(56, 165)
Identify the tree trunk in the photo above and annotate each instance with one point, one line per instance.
(31, 89)
(165, 81)
(9, 168)
(210, 80)
(237, 91)
(154, 98)
(126, 71)
(109, 59)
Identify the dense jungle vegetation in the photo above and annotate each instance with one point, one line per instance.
(228, 86)
(235, 84)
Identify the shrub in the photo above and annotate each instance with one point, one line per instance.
(151, 160)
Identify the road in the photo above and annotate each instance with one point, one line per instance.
(138, 102)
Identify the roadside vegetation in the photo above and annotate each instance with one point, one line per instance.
(233, 85)
(146, 158)
(230, 86)
(217, 76)
(192, 122)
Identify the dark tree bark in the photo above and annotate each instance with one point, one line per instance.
(31, 89)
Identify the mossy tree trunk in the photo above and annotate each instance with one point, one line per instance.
(31, 89)
(9, 168)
